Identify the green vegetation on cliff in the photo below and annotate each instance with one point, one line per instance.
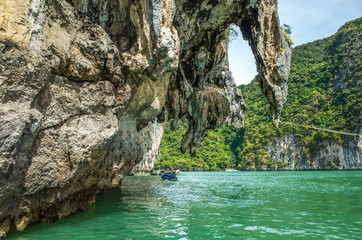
(324, 91)
(217, 152)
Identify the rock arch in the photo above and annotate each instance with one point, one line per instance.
(81, 78)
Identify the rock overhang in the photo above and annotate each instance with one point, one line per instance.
(80, 80)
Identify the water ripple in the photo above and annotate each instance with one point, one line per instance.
(226, 205)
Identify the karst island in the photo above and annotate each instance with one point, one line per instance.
(126, 119)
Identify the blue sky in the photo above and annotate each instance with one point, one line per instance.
(310, 20)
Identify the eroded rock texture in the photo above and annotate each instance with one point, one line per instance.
(151, 140)
(287, 153)
(81, 78)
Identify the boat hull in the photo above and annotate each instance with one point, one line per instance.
(168, 177)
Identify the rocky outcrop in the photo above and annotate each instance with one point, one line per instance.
(151, 140)
(80, 79)
(287, 153)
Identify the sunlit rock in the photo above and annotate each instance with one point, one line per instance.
(80, 79)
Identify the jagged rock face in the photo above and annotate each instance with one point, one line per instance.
(287, 154)
(80, 79)
(151, 140)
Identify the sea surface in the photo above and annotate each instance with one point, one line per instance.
(220, 205)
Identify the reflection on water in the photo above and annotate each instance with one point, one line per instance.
(228, 205)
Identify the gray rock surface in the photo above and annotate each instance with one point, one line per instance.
(151, 140)
(80, 79)
(287, 153)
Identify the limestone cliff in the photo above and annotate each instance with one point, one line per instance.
(80, 79)
(151, 140)
(287, 154)
(321, 123)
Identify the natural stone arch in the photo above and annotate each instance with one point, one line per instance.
(81, 78)
(204, 88)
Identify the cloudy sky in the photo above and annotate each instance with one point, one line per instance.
(310, 20)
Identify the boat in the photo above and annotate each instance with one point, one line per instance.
(168, 177)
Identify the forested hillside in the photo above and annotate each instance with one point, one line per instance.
(324, 91)
(217, 153)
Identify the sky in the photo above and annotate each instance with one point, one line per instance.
(310, 20)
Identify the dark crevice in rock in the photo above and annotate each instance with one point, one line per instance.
(59, 125)
(3, 139)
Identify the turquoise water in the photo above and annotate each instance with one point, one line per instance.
(226, 205)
